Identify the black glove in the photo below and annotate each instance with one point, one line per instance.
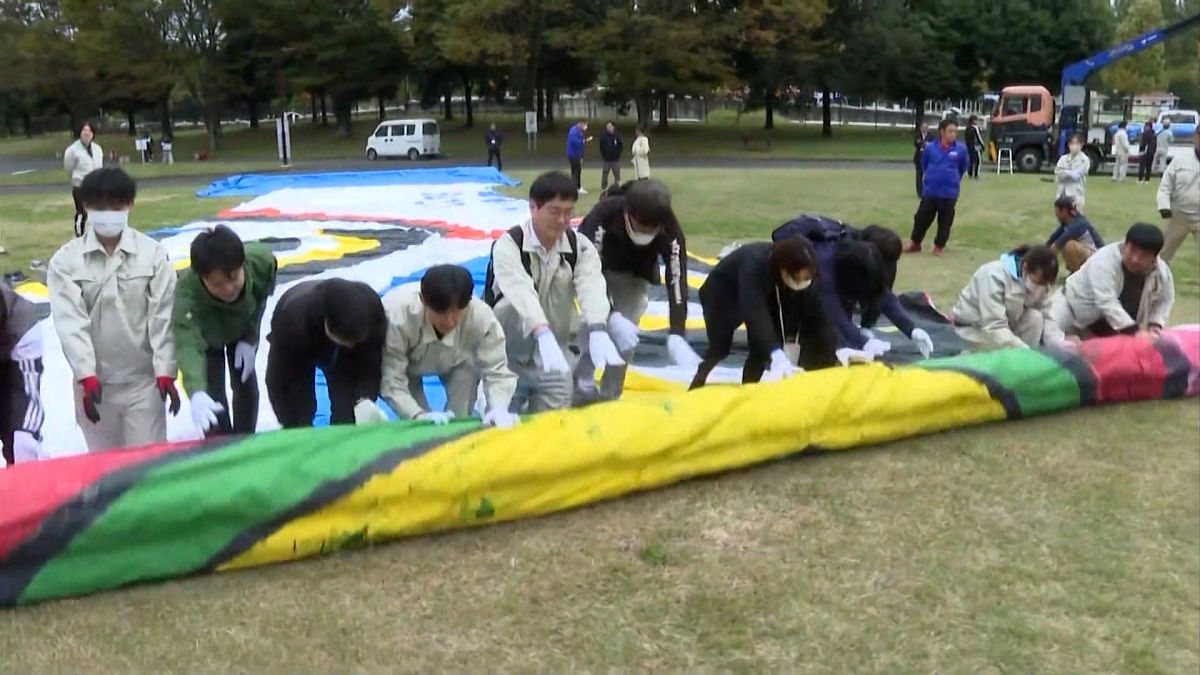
(1165, 213)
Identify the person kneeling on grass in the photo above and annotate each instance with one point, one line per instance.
(219, 306)
(767, 287)
(111, 294)
(1124, 288)
(1007, 302)
(437, 328)
(1074, 238)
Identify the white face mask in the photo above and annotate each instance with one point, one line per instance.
(796, 284)
(108, 223)
(639, 238)
(1034, 293)
(1074, 149)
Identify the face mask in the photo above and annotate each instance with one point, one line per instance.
(108, 223)
(639, 238)
(1075, 149)
(1034, 293)
(796, 284)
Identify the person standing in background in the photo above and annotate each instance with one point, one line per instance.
(1146, 149)
(81, 158)
(942, 167)
(610, 151)
(974, 146)
(919, 143)
(168, 155)
(1179, 199)
(641, 154)
(493, 138)
(575, 142)
(1121, 152)
(1070, 173)
(1162, 146)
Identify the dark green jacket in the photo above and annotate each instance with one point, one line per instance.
(202, 322)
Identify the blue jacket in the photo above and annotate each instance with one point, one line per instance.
(575, 143)
(944, 169)
(825, 234)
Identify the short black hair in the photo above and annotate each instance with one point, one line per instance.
(349, 308)
(860, 272)
(1076, 137)
(108, 189)
(1122, 124)
(649, 203)
(947, 122)
(446, 287)
(217, 250)
(790, 254)
(1065, 202)
(973, 118)
(551, 185)
(1146, 237)
(1040, 260)
(890, 245)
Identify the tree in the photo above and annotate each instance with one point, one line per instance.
(835, 66)
(774, 44)
(1183, 54)
(1145, 71)
(197, 29)
(1030, 42)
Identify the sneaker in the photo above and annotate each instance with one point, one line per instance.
(582, 191)
(912, 247)
(937, 251)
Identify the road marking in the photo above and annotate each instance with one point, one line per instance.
(22, 172)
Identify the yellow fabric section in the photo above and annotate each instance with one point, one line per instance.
(34, 291)
(654, 322)
(561, 460)
(342, 247)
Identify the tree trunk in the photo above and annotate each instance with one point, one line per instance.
(541, 105)
(467, 98)
(918, 114)
(132, 119)
(550, 108)
(312, 99)
(343, 110)
(252, 108)
(27, 124)
(826, 119)
(662, 111)
(324, 111)
(447, 108)
(212, 124)
(769, 105)
(164, 111)
(533, 68)
(644, 107)
(379, 100)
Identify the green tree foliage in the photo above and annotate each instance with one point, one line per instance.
(1145, 71)
(775, 43)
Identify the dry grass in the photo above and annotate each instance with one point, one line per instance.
(1064, 544)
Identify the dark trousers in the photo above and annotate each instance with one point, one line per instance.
(576, 171)
(1145, 163)
(245, 394)
(928, 208)
(80, 212)
(495, 153)
(920, 179)
(973, 167)
(615, 168)
(291, 385)
(20, 402)
(720, 328)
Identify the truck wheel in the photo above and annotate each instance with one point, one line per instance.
(1028, 160)
(414, 154)
(372, 155)
(1095, 158)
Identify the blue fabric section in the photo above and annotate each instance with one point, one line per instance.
(476, 266)
(260, 183)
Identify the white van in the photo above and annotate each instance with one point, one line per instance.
(405, 138)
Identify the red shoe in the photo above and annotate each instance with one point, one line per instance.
(913, 247)
(937, 250)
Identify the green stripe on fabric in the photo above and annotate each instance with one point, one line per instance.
(154, 530)
(1039, 383)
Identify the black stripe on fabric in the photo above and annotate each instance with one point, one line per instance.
(1084, 376)
(326, 493)
(1006, 398)
(61, 526)
(1177, 367)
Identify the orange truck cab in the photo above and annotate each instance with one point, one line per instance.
(1024, 122)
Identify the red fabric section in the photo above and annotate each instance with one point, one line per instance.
(450, 229)
(1127, 367)
(31, 491)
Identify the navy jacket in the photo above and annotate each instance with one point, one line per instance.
(825, 235)
(944, 169)
(1073, 231)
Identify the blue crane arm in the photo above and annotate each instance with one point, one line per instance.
(1074, 74)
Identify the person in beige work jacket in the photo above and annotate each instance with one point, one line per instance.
(1007, 302)
(111, 295)
(1070, 173)
(640, 151)
(537, 273)
(437, 328)
(79, 159)
(1179, 199)
(1124, 288)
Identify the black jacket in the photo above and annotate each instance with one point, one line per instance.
(493, 139)
(1149, 140)
(604, 225)
(298, 335)
(741, 289)
(610, 146)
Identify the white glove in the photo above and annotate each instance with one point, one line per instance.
(205, 411)
(923, 341)
(624, 332)
(876, 347)
(436, 418)
(781, 367)
(366, 412)
(501, 419)
(553, 360)
(602, 350)
(681, 352)
(845, 356)
(243, 359)
(1076, 175)
(867, 333)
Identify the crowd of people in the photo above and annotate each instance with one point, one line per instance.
(809, 299)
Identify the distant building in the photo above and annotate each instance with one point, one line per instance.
(1153, 102)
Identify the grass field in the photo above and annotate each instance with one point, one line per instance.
(1064, 544)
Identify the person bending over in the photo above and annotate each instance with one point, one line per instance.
(111, 294)
(21, 410)
(438, 328)
(1007, 302)
(634, 228)
(219, 304)
(1074, 238)
(336, 325)
(768, 288)
(1124, 288)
